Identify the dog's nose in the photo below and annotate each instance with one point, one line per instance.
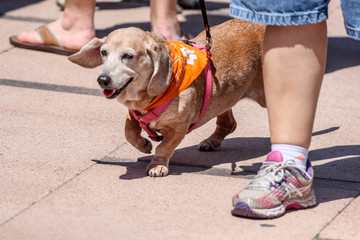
(104, 80)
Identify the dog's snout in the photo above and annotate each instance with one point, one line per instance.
(104, 80)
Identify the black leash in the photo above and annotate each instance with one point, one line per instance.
(206, 25)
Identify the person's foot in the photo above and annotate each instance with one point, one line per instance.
(69, 38)
(170, 31)
(278, 186)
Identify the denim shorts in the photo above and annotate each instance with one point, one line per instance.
(295, 12)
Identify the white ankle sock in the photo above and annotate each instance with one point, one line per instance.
(296, 153)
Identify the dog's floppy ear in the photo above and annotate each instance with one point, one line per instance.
(89, 55)
(160, 55)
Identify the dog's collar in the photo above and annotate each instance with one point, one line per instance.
(153, 113)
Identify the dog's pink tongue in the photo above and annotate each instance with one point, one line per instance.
(108, 93)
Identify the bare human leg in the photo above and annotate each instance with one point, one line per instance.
(164, 19)
(294, 65)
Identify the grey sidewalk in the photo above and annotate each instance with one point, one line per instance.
(55, 127)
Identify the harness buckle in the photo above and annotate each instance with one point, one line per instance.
(208, 44)
(157, 138)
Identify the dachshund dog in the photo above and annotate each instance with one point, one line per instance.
(138, 67)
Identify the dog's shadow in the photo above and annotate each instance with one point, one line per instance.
(191, 160)
(335, 179)
(233, 150)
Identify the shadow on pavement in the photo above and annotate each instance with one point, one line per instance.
(9, 5)
(190, 160)
(337, 179)
(234, 151)
(120, 5)
(343, 53)
(193, 25)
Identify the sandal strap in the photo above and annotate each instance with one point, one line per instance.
(47, 36)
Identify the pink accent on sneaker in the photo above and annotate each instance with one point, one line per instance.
(294, 206)
(274, 156)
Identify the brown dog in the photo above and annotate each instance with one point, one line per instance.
(137, 68)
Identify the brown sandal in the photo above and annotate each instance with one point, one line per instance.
(51, 44)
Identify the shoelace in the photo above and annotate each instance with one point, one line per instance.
(272, 173)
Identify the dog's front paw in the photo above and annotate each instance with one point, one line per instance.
(146, 147)
(158, 171)
(209, 144)
(157, 167)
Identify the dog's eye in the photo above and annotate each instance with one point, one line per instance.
(127, 56)
(103, 53)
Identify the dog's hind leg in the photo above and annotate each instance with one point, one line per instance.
(226, 124)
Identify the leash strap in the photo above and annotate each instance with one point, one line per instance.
(206, 25)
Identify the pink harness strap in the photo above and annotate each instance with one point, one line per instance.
(145, 119)
(208, 89)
